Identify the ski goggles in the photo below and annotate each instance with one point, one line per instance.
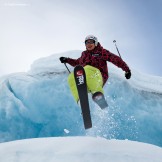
(90, 41)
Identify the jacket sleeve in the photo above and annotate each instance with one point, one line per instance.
(74, 62)
(116, 60)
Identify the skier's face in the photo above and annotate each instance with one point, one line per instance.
(90, 45)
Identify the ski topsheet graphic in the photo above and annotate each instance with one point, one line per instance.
(80, 79)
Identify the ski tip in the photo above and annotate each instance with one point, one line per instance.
(88, 126)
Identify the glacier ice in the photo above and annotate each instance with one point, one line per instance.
(39, 104)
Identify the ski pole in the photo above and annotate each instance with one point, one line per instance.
(117, 48)
(67, 68)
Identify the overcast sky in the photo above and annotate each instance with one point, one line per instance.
(30, 29)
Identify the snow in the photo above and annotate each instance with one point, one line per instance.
(39, 104)
(78, 149)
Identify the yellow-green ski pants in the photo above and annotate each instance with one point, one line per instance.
(93, 78)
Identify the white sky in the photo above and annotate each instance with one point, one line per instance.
(30, 29)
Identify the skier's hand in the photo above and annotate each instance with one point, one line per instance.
(128, 74)
(63, 59)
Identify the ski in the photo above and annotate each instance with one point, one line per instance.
(80, 79)
(99, 99)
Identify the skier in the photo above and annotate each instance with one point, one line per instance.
(94, 60)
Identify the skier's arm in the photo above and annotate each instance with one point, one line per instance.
(116, 60)
(72, 62)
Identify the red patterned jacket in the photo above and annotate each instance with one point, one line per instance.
(98, 58)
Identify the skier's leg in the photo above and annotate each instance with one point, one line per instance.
(72, 85)
(94, 84)
(94, 79)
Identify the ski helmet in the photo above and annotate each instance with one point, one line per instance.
(92, 37)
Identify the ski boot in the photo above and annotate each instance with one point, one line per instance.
(99, 99)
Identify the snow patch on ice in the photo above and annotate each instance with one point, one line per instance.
(78, 149)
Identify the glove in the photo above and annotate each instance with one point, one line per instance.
(128, 74)
(63, 59)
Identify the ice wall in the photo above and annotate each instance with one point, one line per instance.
(39, 104)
